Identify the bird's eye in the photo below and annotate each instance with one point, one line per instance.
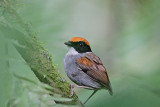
(81, 44)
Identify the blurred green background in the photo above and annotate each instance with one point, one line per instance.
(125, 34)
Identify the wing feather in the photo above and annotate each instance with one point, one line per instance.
(92, 66)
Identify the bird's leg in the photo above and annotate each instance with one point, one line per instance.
(90, 96)
(73, 86)
(72, 90)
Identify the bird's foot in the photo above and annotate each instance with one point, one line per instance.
(72, 90)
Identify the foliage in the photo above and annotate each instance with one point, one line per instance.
(124, 34)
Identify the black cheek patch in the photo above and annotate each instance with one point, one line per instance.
(81, 48)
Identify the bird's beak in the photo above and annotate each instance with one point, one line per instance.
(68, 43)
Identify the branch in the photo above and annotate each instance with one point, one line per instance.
(35, 55)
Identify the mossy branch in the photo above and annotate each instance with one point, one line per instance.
(35, 55)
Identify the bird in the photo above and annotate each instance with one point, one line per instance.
(84, 68)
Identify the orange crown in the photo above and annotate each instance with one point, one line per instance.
(78, 39)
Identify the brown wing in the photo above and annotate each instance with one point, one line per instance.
(92, 66)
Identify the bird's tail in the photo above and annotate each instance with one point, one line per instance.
(110, 89)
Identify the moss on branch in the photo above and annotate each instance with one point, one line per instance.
(31, 50)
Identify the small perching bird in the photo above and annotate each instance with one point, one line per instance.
(85, 68)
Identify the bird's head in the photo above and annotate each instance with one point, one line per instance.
(80, 44)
